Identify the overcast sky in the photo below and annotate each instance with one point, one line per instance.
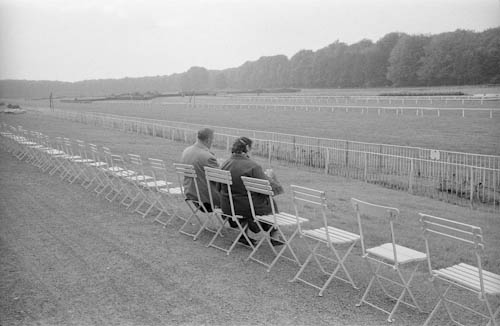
(73, 40)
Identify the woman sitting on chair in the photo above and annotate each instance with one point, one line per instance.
(240, 164)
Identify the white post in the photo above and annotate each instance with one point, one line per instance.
(471, 184)
(366, 167)
(327, 160)
(269, 152)
(410, 181)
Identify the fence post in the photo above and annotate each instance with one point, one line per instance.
(471, 184)
(327, 160)
(410, 181)
(365, 177)
(346, 153)
(269, 151)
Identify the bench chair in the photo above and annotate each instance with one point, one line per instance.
(223, 177)
(471, 278)
(200, 218)
(388, 256)
(278, 221)
(338, 243)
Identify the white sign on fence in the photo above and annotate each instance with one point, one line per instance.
(435, 154)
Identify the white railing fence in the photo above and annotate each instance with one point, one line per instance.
(459, 178)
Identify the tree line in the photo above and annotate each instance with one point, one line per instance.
(397, 59)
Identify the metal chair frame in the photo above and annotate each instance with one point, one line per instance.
(223, 177)
(338, 243)
(473, 279)
(277, 221)
(390, 255)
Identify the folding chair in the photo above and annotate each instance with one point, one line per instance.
(338, 243)
(136, 179)
(74, 169)
(471, 278)
(276, 221)
(101, 169)
(120, 172)
(195, 206)
(60, 160)
(390, 255)
(224, 178)
(50, 154)
(162, 196)
(96, 169)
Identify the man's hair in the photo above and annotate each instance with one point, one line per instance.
(205, 134)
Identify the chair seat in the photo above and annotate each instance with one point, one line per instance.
(172, 191)
(83, 160)
(337, 236)
(157, 183)
(114, 169)
(97, 164)
(468, 276)
(52, 151)
(140, 177)
(281, 219)
(125, 173)
(405, 255)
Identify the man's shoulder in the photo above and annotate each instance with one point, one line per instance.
(196, 153)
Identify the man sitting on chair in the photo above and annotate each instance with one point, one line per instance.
(199, 156)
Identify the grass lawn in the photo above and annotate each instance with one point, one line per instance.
(473, 134)
(71, 259)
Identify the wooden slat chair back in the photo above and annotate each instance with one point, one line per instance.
(200, 217)
(386, 255)
(279, 222)
(223, 177)
(473, 278)
(328, 246)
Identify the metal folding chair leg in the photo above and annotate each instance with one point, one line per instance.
(337, 259)
(403, 283)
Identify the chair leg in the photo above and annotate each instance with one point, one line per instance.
(370, 284)
(493, 315)
(287, 240)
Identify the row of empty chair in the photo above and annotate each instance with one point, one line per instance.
(147, 189)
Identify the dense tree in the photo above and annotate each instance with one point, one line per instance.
(301, 68)
(196, 78)
(453, 58)
(378, 60)
(406, 59)
(450, 58)
(489, 56)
